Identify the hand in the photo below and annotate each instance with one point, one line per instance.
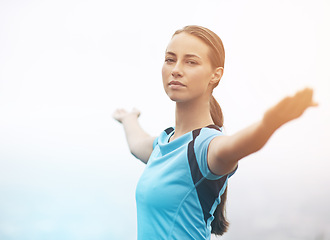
(289, 108)
(121, 114)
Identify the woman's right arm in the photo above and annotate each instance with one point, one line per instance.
(225, 151)
(139, 142)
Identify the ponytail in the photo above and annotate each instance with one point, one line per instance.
(219, 224)
(216, 112)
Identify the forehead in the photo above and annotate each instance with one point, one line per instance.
(184, 43)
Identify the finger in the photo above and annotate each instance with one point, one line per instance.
(116, 114)
(304, 97)
(304, 92)
(136, 111)
(310, 101)
(306, 100)
(314, 104)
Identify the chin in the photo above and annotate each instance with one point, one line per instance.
(176, 99)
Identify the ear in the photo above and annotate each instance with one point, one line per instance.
(217, 75)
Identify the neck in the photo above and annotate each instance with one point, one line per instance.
(191, 115)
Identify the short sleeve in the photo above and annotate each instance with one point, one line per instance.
(201, 146)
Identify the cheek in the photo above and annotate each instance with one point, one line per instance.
(164, 75)
(199, 77)
(165, 72)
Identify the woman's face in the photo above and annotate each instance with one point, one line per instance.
(187, 71)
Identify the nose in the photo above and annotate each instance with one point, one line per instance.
(177, 71)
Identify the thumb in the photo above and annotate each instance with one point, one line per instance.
(136, 111)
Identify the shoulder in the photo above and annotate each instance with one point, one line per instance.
(207, 133)
(199, 147)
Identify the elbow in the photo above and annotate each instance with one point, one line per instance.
(137, 153)
(134, 151)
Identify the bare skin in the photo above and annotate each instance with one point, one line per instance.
(189, 79)
(139, 142)
(253, 138)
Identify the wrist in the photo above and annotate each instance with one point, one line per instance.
(270, 122)
(130, 117)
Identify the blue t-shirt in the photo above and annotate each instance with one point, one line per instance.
(177, 194)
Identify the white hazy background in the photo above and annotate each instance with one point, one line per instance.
(65, 169)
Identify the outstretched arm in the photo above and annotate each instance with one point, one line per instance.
(225, 151)
(139, 142)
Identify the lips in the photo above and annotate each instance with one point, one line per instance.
(176, 83)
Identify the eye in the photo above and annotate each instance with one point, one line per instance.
(192, 62)
(169, 60)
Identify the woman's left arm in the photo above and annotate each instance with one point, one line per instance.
(225, 151)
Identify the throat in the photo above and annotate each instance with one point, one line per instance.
(189, 118)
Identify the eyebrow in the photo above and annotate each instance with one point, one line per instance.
(186, 55)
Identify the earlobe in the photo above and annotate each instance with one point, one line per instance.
(217, 75)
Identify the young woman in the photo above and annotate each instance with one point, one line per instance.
(182, 191)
